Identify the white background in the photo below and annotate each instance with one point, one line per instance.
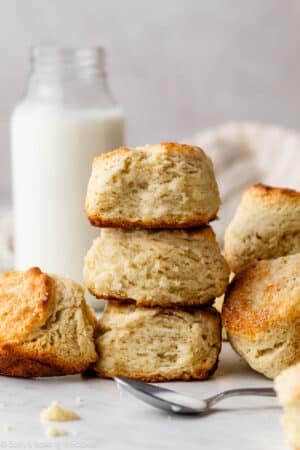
(177, 66)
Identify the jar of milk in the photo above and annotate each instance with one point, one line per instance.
(66, 117)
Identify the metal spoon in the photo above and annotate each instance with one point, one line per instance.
(172, 401)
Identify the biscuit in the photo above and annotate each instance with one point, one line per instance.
(266, 225)
(261, 314)
(156, 267)
(218, 305)
(155, 344)
(287, 386)
(157, 186)
(46, 327)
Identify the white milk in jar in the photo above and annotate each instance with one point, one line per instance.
(66, 118)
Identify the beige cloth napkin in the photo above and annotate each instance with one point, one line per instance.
(243, 153)
(6, 247)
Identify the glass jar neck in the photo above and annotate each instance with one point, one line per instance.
(68, 77)
(54, 64)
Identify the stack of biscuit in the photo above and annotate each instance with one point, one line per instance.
(261, 313)
(157, 262)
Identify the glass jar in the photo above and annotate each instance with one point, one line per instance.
(66, 117)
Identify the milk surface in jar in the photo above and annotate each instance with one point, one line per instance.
(66, 118)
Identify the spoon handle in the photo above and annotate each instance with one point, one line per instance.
(264, 392)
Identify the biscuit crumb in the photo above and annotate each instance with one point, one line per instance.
(79, 401)
(56, 432)
(6, 427)
(57, 413)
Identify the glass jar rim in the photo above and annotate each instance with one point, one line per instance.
(45, 58)
(47, 54)
(53, 50)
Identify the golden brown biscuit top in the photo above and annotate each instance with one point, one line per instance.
(272, 194)
(262, 295)
(24, 303)
(168, 147)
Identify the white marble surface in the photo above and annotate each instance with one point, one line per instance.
(113, 420)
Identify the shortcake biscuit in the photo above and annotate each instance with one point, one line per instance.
(166, 185)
